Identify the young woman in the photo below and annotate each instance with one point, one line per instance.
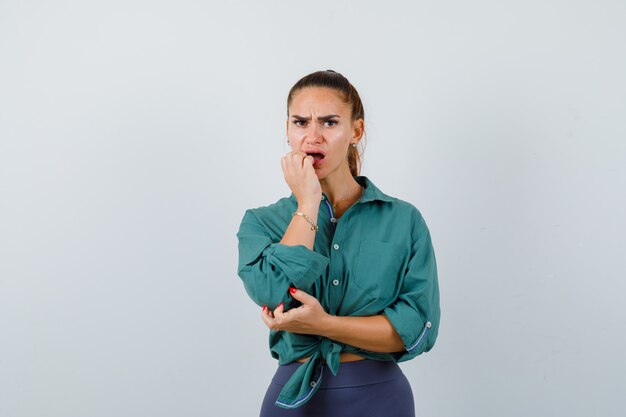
(345, 274)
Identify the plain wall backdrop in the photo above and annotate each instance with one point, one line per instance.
(134, 134)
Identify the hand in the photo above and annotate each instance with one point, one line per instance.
(301, 178)
(309, 318)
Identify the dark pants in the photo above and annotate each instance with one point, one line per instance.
(365, 388)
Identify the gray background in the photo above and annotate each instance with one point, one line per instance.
(134, 134)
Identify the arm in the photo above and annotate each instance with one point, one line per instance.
(267, 268)
(373, 333)
(301, 178)
(415, 314)
(299, 230)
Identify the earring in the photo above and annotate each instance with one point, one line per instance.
(354, 145)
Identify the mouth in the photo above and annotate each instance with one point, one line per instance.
(316, 156)
(318, 159)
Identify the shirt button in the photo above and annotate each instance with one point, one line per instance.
(336, 246)
(313, 384)
(333, 220)
(335, 282)
(429, 324)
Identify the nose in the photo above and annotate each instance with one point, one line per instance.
(313, 135)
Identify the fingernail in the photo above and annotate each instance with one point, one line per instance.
(279, 304)
(292, 290)
(264, 307)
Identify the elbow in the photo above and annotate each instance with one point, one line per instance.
(258, 286)
(390, 342)
(264, 298)
(393, 341)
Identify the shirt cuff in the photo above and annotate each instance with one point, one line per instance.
(414, 330)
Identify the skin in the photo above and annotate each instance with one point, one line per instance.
(310, 129)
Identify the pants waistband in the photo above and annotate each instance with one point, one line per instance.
(350, 374)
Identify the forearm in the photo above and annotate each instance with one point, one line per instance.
(373, 333)
(299, 230)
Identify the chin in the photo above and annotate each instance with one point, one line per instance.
(321, 174)
(324, 171)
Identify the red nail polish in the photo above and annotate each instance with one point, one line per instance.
(292, 290)
(264, 307)
(279, 304)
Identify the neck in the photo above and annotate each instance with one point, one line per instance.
(339, 186)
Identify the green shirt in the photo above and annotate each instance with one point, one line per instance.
(376, 259)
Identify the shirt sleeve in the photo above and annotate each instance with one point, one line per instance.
(269, 268)
(415, 313)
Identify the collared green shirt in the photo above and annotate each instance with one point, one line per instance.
(376, 259)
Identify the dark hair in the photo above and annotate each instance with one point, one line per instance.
(339, 83)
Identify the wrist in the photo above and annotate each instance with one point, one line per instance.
(309, 199)
(309, 208)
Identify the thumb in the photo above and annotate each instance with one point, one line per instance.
(307, 165)
(301, 296)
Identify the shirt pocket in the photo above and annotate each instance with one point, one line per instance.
(379, 270)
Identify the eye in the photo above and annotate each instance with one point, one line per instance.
(330, 123)
(299, 123)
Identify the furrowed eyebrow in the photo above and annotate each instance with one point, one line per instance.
(325, 118)
(321, 118)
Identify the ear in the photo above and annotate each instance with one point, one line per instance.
(358, 127)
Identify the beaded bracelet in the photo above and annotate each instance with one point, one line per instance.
(313, 225)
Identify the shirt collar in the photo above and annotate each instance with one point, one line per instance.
(370, 192)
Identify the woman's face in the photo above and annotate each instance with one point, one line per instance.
(320, 124)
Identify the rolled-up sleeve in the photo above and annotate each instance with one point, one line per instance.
(269, 268)
(415, 313)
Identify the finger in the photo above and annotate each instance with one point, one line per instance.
(305, 163)
(298, 157)
(294, 161)
(284, 164)
(308, 168)
(302, 296)
(289, 168)
(268, 313)
(279, 311)
(267, 319)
